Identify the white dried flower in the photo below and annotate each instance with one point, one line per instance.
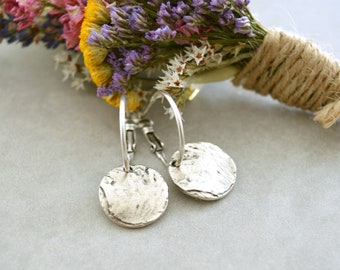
(195, 53)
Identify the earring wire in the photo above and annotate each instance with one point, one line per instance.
(178, 118)
(122, 130)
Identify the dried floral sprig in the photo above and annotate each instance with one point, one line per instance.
(72, 68)
(124, 40)
(47, 31)
(126, 43)
(50, 22)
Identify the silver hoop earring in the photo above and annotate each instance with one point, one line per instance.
(132, 195)
(201, 170)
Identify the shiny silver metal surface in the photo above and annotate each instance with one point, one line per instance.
(206, 172)
(133, 199)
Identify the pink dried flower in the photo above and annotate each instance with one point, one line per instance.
(24, 11)
(71, 17)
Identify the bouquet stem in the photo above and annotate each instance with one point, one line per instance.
(297, 73)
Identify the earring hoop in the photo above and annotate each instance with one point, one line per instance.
(122, 131)
(178, 118)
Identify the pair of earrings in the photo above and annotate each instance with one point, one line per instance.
(134, 195)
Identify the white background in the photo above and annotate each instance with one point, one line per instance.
(56, 144)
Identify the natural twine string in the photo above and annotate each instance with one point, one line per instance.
(295, 72)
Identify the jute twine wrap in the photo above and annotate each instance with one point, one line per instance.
(295, 72)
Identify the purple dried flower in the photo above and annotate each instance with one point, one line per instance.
(180, 10)
(164, 14)
(103, 91)
(120, 20)
(138, 20)
(200, 6)
(135, 61)
(108, 31)
(219, 5)
(115, 62)
(146, 53)
(94, 38)
(118, 83)
(242, 3)
(227, 17)
(165, 10)
(117, 14)
(243, 26)
(106, 37)
(193, 20)
(163, 33)
(131, 62)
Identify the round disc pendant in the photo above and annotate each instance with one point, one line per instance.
(206, 172)
(133, 199)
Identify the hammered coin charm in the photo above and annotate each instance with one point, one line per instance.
(133, 199)
(206, 172)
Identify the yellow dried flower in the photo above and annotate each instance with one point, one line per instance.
(94, 56)
(132, 100)
(96, 12)
(101, 74)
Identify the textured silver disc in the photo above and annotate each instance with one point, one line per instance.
(206, 173)
(134, 199)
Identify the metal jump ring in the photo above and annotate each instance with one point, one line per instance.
(178, 118)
